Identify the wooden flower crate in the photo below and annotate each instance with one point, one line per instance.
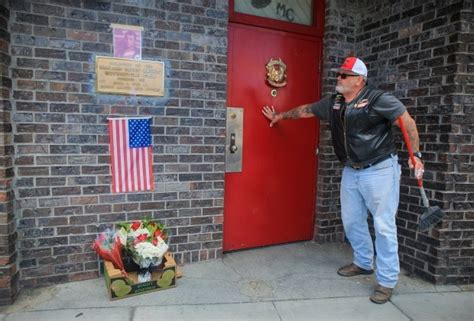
(120, 287)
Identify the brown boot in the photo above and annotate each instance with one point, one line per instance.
(353, 270)
(381, 294)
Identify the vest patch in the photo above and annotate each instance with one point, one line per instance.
(361, 103)
(337, 102)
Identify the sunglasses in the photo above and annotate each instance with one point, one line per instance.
(344, 76)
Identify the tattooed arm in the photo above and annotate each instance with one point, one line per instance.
(411, 129)
(303, 111)
(414, 140)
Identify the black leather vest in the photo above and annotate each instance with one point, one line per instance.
(360, 135)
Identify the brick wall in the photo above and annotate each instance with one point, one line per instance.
(8, 235)
(339, 40)
(422, 53)
(60, 133)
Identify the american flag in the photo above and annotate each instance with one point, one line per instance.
(131, 154)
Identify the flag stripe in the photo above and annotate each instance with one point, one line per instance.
(136, 172)
(141, 172)
(113, 160)
(140, 175)
(122, 157)
(131, 166)
(128, 160)
(133, 170)
(149, 169)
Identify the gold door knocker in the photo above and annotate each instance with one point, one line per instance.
(276, 74)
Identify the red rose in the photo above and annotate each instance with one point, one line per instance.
(142, 237)
(155, 241)
(136, 225)
(157, 233)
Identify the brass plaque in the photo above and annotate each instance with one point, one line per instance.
(130, 77)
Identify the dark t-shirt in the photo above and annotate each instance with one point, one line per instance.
(321, 108)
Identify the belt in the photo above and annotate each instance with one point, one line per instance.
(357, 167)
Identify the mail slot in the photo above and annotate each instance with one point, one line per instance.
(234, 141)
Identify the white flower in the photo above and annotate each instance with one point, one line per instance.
(148, 250)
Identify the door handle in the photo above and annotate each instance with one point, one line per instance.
(233, 148)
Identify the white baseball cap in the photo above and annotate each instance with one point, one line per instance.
(352, 65)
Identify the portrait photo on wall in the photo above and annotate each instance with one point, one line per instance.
(127, 43)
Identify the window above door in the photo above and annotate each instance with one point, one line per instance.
(300, 16)
(299, 12)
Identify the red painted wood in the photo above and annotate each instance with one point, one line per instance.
(317, 29)
(272, 200)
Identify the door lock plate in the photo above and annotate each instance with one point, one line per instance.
(234, 139)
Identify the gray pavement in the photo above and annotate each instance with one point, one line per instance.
(287, 282)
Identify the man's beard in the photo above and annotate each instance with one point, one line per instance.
(342, 89)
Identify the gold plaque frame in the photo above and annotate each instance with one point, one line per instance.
(130, 77)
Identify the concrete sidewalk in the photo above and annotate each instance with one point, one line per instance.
(287, 282)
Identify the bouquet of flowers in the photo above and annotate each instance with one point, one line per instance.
(109, 247)
(145, 241)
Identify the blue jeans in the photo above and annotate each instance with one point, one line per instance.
(376, 189)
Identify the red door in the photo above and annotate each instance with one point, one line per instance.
(272, 199)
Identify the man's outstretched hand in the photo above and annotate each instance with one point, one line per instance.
(269, 112)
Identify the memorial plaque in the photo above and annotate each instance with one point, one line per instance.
(130, 77)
